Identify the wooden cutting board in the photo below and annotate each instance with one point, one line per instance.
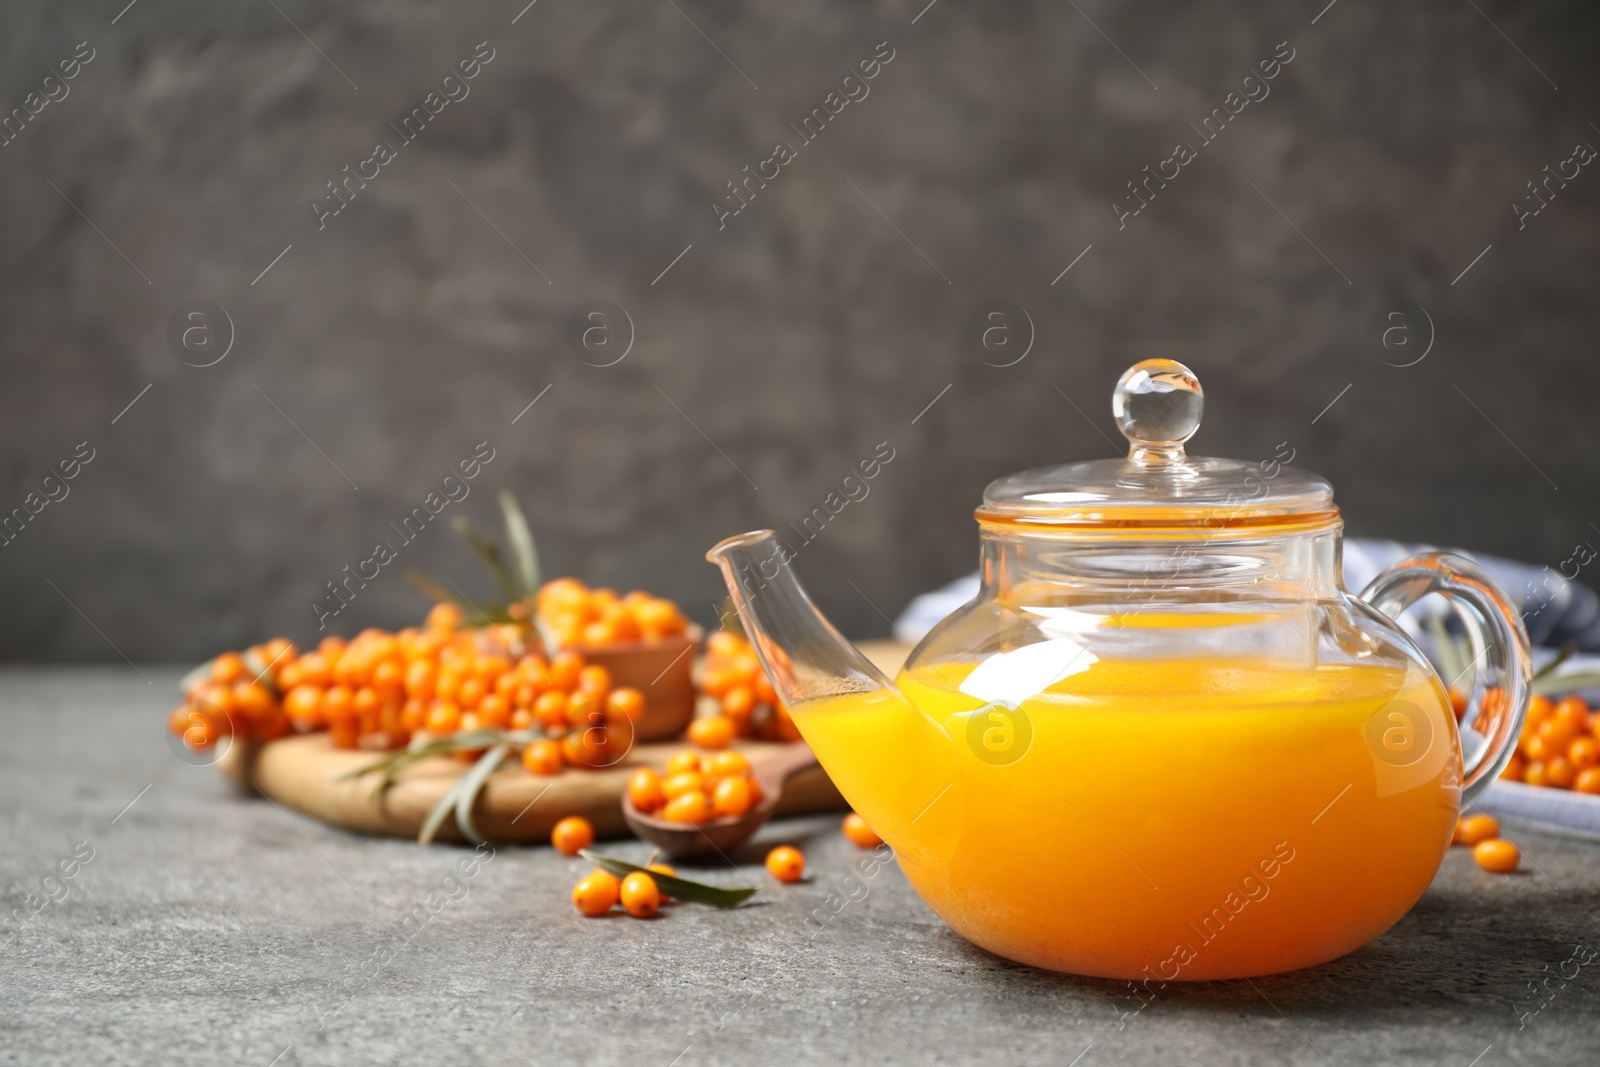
(304, 773)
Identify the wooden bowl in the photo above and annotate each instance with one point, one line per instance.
(662, 670)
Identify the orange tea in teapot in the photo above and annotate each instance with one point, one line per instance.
(1163, 742)
(1170, 820)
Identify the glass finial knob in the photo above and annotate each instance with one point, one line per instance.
(1158, 404)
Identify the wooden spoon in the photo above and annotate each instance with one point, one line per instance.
(684, 840)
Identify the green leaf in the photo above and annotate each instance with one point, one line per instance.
(471, 784)
(487, 551)
(1560, 657)
(677, 888)
(520, 538)
(1549, 685)
(431, 588)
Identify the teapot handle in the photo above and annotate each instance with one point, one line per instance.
(1495, 625)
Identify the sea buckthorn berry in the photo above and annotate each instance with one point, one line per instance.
(713, 731)
(1559, 773)
(730, 798)
(303, 704)
(1572, 709)
(679, 784)
(565, 667)
(420, 676)
(684, 761)
(1470, 829)
(1533, 774)
(640, 897)
(723, 643)
(627, 703)
(1515, 767)
(388, 677)
(1584, 753)
(664, 868)
(338, 704)
(726, 764)
(644, 790)
(738, 702)
(594, 679)
(551, 710)
(471, 691)
(543, 758)
(1541, 748)
(786, 864)
(596, 894)
(1540, 708)
(858, 833)
(691, 807)
(495, 711)
(571, 835)
(1588, 781)
(443, 617)
(1497, 855)
(227, 668)
(443, 718)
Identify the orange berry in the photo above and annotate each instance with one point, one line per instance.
(443, 617)
(1584, 753)
(765, 694)
(314, 669)
(1573, 710)
(726, 764)
(1588, 781)
(786, 864)
(679, 784)
(691, 807)
(724, 644)
(388, 677)
(303, 704)
(640, 897)
(551, 710)
(644, 790)
(495, 711)
(713, 731)
(1470, 829)
(1540, 708)
(1541, 748)
(717, 680)
(571, 835)
(338, 704)
(738, 702)
(858, 833)
(1559, 773)
(731, 798)
(626, 703)
(1497, 855)
(471, 691)
(594, 679)
(420, 677)
(443, 718)
(684, 761)
(543, 758)
(595, 895)
(413, 715)
(1515, 767)
(564, 670)
(664, 868)
(227, 668)
(1533, 774)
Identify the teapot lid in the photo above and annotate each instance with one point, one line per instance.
(1158, 404)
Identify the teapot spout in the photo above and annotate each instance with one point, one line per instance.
(893, 763)
(805, 657)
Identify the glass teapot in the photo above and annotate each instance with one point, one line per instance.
(1162, 743)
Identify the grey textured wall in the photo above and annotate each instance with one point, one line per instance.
(780, 349)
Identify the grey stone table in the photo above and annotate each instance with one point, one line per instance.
(211, 928)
